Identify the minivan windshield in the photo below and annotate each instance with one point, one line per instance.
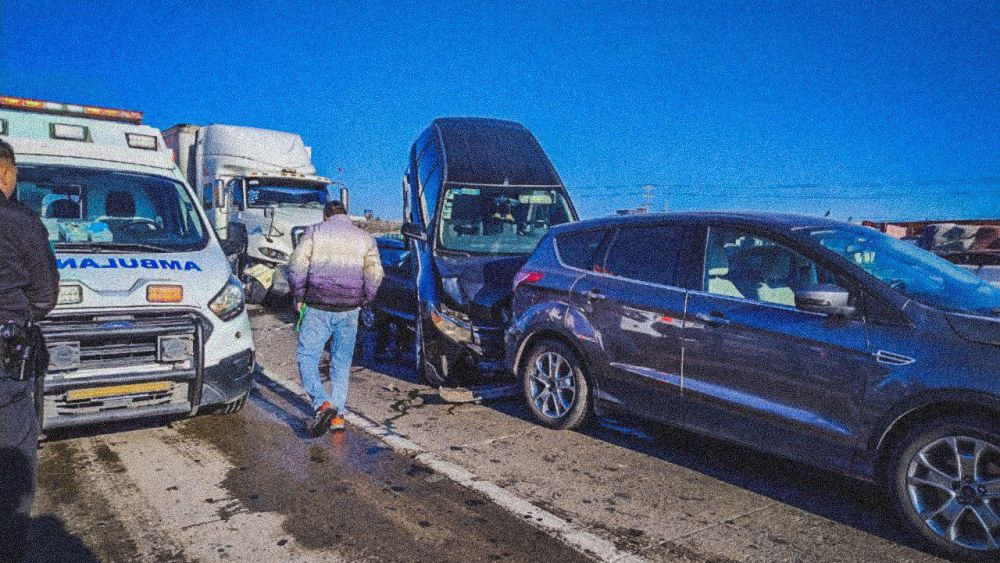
(499, 219)
(266, 192)
(93, 209)
(912, 271)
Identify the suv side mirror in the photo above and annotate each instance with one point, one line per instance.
(413, 231)
(827, 299)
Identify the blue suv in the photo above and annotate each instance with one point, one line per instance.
(822, 341)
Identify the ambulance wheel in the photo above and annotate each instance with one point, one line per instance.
(236, 405)
(39, 396)
(255, 291)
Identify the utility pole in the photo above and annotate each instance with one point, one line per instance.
(647, 198)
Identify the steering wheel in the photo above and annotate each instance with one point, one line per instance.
(139, 225)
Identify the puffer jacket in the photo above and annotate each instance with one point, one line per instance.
(335, 265)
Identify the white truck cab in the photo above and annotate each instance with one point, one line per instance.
(150, 319)
(259, 185)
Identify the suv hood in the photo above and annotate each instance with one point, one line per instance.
(985, 330)
(479, 285)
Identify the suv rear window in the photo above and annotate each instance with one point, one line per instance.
(578, 250)
(647, 253)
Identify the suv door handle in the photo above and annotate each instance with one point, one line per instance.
(713, 319)
(595, 295)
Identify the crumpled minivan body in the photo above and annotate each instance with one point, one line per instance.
(478, 195)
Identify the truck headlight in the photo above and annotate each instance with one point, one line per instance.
(229, 302)
(273, 254)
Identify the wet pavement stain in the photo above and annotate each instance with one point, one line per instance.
(412, 400)
(348, 492)
(92, 529)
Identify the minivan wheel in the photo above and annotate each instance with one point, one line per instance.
(368, 318)
(555, 387)
(945, 482)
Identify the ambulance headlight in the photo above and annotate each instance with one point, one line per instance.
(229, 302)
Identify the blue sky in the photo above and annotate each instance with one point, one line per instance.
(888, 111)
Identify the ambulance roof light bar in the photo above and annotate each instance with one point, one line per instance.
(94, 112)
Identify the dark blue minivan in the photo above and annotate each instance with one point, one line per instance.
(478, 195)
(822, 341)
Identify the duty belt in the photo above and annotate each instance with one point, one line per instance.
(22, 349)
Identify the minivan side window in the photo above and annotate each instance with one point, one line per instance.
(579, 250)
(749, 266)
(647, 253)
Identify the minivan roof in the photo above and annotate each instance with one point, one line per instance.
(763, 219)
(486, 151)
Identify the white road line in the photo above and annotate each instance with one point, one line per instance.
(576, 537)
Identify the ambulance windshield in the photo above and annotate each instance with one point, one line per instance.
(97, 209)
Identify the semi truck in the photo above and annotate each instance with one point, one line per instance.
(260, 186)
(150, 320)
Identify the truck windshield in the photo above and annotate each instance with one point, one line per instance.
(499, 219)
(912, 271)
(267, 192)
(83, 207)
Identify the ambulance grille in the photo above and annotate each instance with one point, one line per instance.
(80, 343)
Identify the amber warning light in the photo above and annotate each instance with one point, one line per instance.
(164, 293)
(94, 112)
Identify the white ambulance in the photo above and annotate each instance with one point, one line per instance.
(150, 320)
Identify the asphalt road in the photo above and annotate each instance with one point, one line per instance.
(415, 478)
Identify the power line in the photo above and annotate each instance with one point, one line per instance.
(810, 197)
(647, 197)
(986, 182)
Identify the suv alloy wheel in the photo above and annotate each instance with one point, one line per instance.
(555, 387)
(945, 483)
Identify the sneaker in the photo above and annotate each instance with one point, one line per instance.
(337, 423)
(321, 422)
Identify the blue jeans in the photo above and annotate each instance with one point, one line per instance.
(317, 327)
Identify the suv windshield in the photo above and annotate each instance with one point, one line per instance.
(83, 207)
(271, 191)
(499, 219)
(912, 271)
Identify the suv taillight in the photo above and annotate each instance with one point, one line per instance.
(527, 277)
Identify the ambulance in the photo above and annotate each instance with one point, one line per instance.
(151, 321)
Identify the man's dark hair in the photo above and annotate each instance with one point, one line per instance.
(332, 208)
(7, 153)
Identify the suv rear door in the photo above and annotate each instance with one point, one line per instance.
(633, 301)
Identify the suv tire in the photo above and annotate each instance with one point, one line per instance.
(555, 387)
(944, 478)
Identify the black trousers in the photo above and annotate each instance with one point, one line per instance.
(18, 465)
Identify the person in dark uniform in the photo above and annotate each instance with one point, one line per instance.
(29, 288)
